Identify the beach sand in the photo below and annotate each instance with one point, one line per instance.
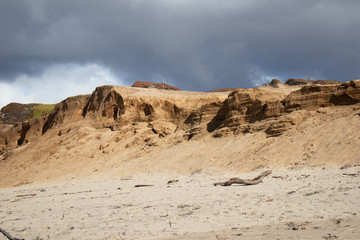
(303, 203)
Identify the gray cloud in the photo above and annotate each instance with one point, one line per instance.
(199, 45)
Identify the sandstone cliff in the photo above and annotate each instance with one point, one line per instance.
(125, 130)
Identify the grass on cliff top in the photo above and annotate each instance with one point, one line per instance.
(333, 81)
(30, 111)
(39, 110)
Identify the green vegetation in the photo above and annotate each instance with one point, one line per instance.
(333, 81)
(39, 110)
(18, 112)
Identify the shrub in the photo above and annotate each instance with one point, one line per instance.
(333, 81)
(39, 110)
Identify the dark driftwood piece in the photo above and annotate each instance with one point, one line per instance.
(143, 185)
(172, 181)
(351, 174)
(8, 235)
(254, 181)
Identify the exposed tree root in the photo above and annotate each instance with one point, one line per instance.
(254, 181)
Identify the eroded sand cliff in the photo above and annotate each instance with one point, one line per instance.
(121, 131)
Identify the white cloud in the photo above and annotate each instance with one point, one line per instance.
(258, 77)
(56, 83)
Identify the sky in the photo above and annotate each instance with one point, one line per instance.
(50, 50)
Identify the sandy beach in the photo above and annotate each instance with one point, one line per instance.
(304, 203)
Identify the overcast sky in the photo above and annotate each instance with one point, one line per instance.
(50, 50)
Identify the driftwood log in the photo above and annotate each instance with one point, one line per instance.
(144, 185)
(8, 235)
(254, 181)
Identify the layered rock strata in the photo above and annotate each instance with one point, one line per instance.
(193, 114)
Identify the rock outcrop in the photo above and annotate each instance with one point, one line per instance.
(313, 97)
(141, 84)
(18, 112)
(68, 110)
(275, 83)
(14, 112)
(13, 136)
(299, 81)
(294, 82)
(254, 110)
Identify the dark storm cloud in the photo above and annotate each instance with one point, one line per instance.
(199, 45)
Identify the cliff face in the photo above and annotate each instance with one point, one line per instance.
(244, 108)
(242, 111)
(313, 97)
(111, 107)
(128, 123)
